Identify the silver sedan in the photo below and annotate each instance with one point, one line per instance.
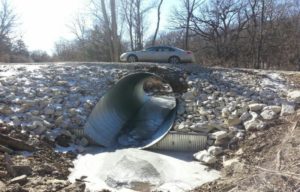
(159, 54)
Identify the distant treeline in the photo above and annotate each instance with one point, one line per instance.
(262, 34)
(12, 47)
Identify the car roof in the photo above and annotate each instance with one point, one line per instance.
(164, 46)
(160, 46)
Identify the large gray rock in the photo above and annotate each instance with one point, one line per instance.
(59, 120)
(233, 121)
(254, 124)
(214, 150)
(275, 108)
(219, 135)
(245, 116)
(181, 126)
(256, 107)
(287, 109)
(202, 127)
(205, 157)
(20, 179)
(6, 110)
(268, 114)
(294, 96)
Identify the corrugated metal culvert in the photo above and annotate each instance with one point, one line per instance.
(175, 141)
(133, 114)
(128, 116)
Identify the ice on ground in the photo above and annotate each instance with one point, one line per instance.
(139, 170)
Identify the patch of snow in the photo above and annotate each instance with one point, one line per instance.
(173, 172)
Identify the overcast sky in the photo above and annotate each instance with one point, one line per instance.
(43, 22)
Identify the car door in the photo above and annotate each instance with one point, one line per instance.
(165, 54)
(150, 54)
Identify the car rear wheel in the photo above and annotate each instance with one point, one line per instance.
(132, 59)
(174, 60)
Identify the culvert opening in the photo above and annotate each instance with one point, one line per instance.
(137, 112)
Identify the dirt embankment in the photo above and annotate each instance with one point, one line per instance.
(44, 169)
(267, 160)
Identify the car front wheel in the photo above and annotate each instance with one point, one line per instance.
(132, 59)
(174, 60)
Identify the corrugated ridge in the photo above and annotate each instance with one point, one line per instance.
(181, 142)
(173, 141)
(80, 133)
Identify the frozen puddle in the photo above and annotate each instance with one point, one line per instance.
(140, 170)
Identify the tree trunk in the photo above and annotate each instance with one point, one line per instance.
(127, 6)
(139, 37)
(188, 18)
(115, 39)
(108, 30)
(158, 21)
(260, 42)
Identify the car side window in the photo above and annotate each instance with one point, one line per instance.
(162, 49)
(171, 49)
(152, 49)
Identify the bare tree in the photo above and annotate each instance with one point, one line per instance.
(106, 17)
(107, 26)
(127, 7)
(135, 12)
(8, 19)
(138, 24)
(251, 33)
(79, 26)
(220, 23)
(158, 22)
(39, 56)
(256, 26)
(182, 17)
(172, 38)
(261, 35)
